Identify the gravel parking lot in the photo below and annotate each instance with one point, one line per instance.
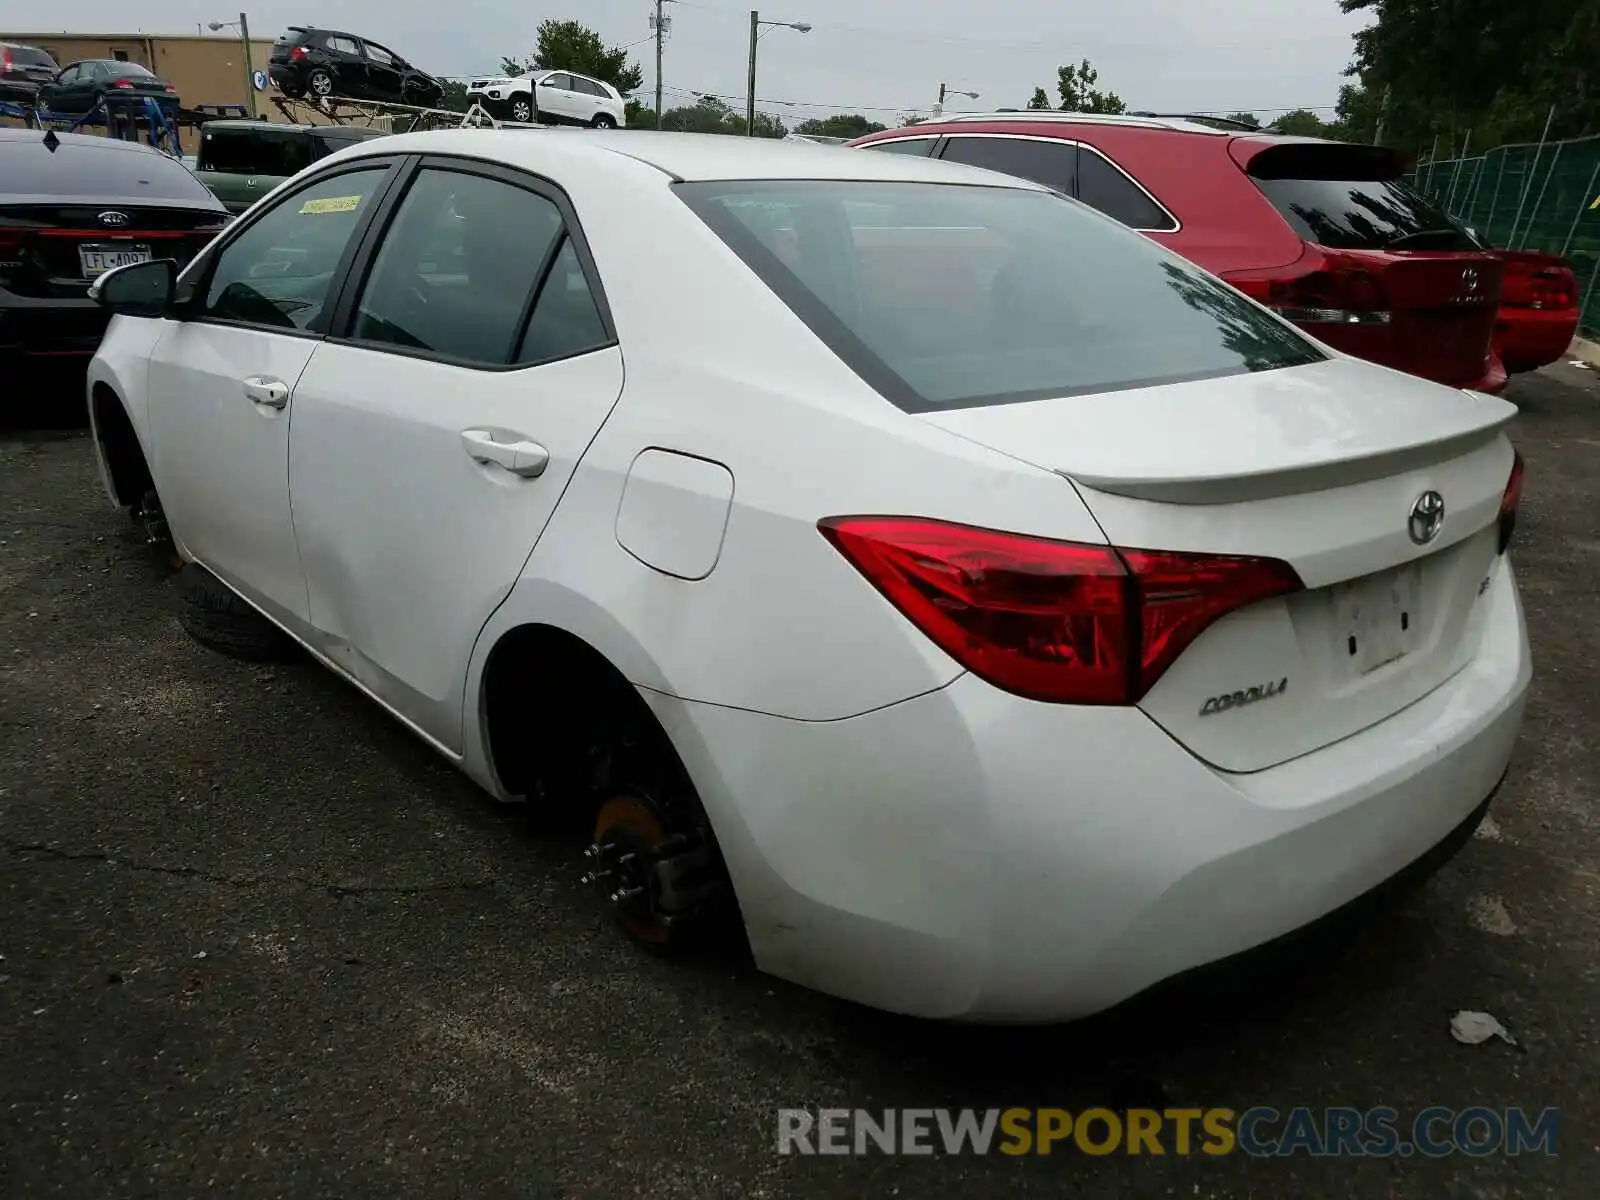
(258, 941)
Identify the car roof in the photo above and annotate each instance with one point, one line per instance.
(683, 156)
(108, 144)
(251, 124)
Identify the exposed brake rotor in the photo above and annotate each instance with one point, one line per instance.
(656, 882)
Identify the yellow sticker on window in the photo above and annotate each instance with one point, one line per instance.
(331, 204)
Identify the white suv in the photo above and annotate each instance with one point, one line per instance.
(550, 97)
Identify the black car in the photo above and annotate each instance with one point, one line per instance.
(72, 206)
(81, 86)
(326, 62)
(22, 70)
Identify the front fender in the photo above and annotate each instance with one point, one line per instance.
(122, 366)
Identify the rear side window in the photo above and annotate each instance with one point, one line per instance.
(27, 56)
(114, 171)
(1352, 198)
(254, 152)
(948, 296)
(922, 146)
(343, 45)
(1104, 186)
(1054, 164)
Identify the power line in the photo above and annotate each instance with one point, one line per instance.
(999, 116)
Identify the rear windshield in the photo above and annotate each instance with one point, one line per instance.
(951, 296)
(128, 70)
(254, 152)
(294, 37)
(27, 56)
(28, 168)
(1353, 198)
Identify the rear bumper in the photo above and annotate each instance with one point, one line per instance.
(1528, 338)
(967, 854)
(44, 328)
(281, 74)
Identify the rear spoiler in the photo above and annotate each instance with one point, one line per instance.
(1314, 158)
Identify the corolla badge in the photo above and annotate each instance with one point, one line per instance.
(1469, 279)
(1427, 518)
(1232, 700)
(113, 218)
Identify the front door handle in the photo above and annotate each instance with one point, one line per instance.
(269, 393)
(519, 456)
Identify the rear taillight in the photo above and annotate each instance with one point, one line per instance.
(1555, 288)
(122, 83)
(5, 59)
(1509, 499)
(170, 88)
(1334, 295)
(297, 54)
(1050, 620)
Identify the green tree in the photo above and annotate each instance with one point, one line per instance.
(1302, 122)
(1076, 87)
(842, 125)
(1038, 101)
(455, 96)
(711, 115)
(573, 46)
(1245, 118)
(638, 116)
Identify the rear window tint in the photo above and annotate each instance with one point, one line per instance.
(1353, 198)
(1052, 163)
(922, 146)
(27, 168)
(254, 152)
(1105, 187)
(295, 37)
(27, 56)
(127, 70)
(950, 296)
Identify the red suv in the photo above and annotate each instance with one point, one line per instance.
(1326, 233)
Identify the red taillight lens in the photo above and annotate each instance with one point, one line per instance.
(1555, 288)
(1051, 620)
(1509, 500)
(170, 88)
(298, 53)
(122, 83)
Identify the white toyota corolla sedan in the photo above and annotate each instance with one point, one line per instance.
(996, 612)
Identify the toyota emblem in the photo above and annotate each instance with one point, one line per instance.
(1427, 518)
(1469, 279)
(114, 219)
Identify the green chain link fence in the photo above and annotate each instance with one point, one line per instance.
(1530, 197)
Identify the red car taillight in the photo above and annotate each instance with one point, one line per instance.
(1332, 295)
(1049, 620)
(5, 59)
(1555, 288)
(298, 54)
(122, 83)
(1509, 500)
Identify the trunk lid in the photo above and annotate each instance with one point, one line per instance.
(1388, 275)
(54, 251)
(1320, 466)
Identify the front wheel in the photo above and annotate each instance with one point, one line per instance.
(522, 110)
(604, 121)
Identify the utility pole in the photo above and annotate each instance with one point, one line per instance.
(660, 30)
(750, 85)
(249, 68)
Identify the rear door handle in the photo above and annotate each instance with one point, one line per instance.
(267, 392)
(520, 456)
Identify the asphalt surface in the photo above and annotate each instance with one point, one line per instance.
(259, 942)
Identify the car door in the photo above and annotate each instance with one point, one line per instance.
(555, 97)
(384, 76)
(432, 440)
(56, 94)
(222, 381)
(349, 65)
(588, 99)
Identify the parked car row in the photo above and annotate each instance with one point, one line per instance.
(1326, 233)
(1125, 630)
(31, 76)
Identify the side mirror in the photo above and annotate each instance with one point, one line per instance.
(137, 289)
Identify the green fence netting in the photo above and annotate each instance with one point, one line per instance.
(1530, 197)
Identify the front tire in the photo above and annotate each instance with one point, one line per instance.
(216, 618)
(522, 110)
(604, 121)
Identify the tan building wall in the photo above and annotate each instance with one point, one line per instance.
(206, 69)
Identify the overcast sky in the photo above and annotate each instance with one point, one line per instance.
(881, 57)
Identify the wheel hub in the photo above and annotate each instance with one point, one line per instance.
(654, 881)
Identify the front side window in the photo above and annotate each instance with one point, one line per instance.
(379, 55)
(1054, 164)
(70, 75)
(562, 83)
(950, 296)
(922, 146)
(261, 151)
(449, 281)
(280, 271)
